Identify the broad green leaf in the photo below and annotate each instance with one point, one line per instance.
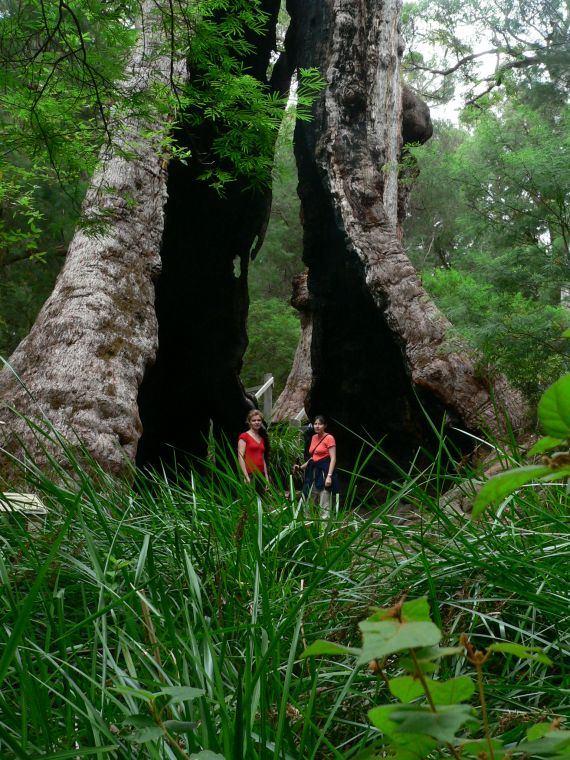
(554, 408)
(181, 693)
(412, 747)
(500, 486)
(206, 754)
(538, 731)
(147, 734)
(426, 657)
(555, 743)
(327, 647)
(406, 688)
(448, 692)
(380, 717)
(179, 726)
(477, 748)
(389, 636)
(545, 444)
(416, 610)
(520, 651)
(441, 725)
(453, 691)
(426, 666)
(566, 333)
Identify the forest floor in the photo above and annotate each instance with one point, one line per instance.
(169, 618)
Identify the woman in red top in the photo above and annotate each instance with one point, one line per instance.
(253, 448)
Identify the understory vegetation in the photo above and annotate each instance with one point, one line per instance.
(169, 618)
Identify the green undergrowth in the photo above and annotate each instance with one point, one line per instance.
(168, 618)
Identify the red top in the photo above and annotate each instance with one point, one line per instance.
(319, 448)
(254, 454)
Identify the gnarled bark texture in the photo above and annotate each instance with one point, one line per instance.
(378, 346)
(81, 365)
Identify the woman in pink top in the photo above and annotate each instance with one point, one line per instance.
(320, 474)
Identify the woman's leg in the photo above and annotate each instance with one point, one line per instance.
(325, 501)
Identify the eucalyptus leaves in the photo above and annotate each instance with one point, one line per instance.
(431, 713)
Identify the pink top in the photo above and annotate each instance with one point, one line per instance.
(319, 448)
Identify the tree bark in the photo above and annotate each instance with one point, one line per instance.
(80, 367)
(379, 355)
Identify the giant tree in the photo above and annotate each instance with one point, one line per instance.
(378, 342)
(380, 364)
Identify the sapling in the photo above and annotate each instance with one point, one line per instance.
(432, 713)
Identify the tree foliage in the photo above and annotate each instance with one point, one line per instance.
(489, 229)
(477, 47)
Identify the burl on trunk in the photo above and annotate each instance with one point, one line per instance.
(380, 363)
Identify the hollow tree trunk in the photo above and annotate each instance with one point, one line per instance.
(202, 294)
(416, 128)
(82, 363)
(379, 358)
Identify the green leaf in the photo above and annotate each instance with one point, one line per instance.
(520, 651)
(407, 688)
(566, 333)
(380, 717)
(181, 693)
(206, 754)
(505, 483)
(389, 636)
(412, 747)
(538, 731)
(554, 743)
(147, 734)
(441, 725)
(477, 748)
(416, 610)
(554, 408)
(426, 657)
(327, 647)
(545, 444)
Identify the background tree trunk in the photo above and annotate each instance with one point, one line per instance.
(291, 401)
(82, 363)
(379, 356)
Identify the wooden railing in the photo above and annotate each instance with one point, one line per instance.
(264, 393)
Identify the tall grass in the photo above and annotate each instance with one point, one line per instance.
(132, 596)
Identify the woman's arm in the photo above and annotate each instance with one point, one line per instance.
(241, 459)
(332, 465)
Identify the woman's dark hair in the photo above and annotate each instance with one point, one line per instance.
(262, 432)
(321, 419)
